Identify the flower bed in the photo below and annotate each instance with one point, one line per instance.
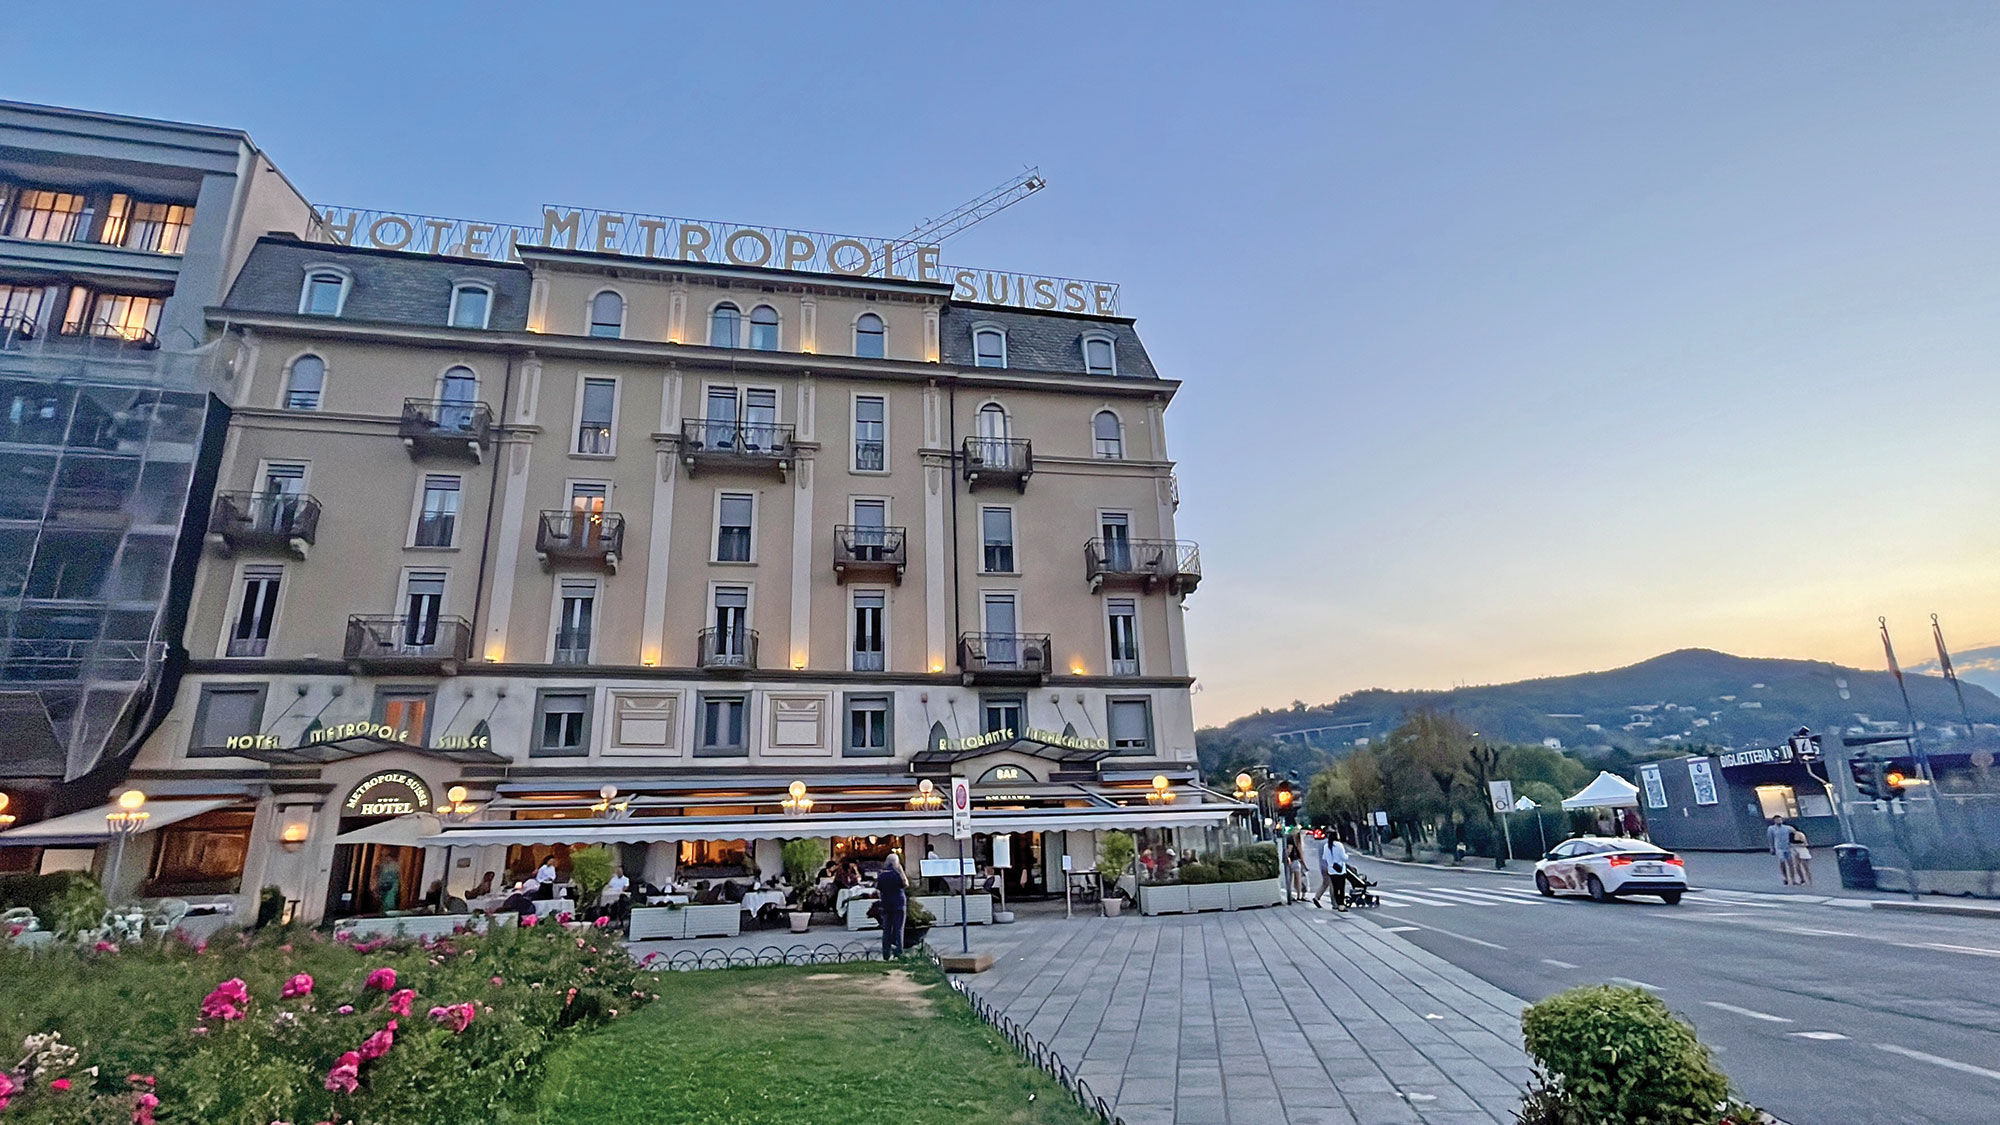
(302, 1028)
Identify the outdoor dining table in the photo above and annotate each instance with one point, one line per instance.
(676, 899)
(758, 900)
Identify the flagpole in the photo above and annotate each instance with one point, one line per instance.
(1916, 744)
(1944, 662)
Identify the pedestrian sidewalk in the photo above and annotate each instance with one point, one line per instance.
(1280, 1015)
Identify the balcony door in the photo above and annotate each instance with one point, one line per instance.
(1003, 644)
(576, 619)
(586, 512)
(457, 391)
(423, 604)
(1116, 528)
(284, 487)
(994, 430)
(256, 612)
(732, 623)
(871, 534)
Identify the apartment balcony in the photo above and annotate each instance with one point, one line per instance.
(121, 335)
(439, 428)
(572, 646)
(1143, 564)
(998, 462)
(1004, 658)
(249, 522)
(727, 650)
(737, 447)
(863, 553)
(436, 645)
(573, 538)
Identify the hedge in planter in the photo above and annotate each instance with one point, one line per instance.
(1617, 1054)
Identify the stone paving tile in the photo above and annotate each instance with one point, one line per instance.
(1265, 1017)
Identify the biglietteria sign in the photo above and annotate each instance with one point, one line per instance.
(699, 240)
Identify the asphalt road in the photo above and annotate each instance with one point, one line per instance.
(1823, 1014)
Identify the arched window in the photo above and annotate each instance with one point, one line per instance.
(870, 338)
(325, 292)
(764, 328)
(725, 325)
(470, 305)
(305, 383)
(989, 347)
(1110, 436)
(607, 315)
(1099, 358)
(991, 447)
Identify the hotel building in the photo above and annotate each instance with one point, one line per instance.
(514, 552)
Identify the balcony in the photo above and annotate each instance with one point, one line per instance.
(727, 650)
(754, 447)
(123, 335)
(572, 646)
(439, 428)
(246, 522)
(862, 553)
(1143, 564)
(1004, 658)
(998, 462)
(408, 644)
(577, 538)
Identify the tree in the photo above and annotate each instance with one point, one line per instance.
(1485, 760)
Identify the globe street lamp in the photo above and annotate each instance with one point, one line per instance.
(926, 799)
(128, 819)
(796, 803)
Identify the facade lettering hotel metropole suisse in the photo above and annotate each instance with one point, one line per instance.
(623, 545)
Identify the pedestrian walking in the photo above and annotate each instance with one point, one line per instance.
(389, 882)
(1295, 866)
(1801, 858)
(1780, 836)
(1333, 872)
(892, 901)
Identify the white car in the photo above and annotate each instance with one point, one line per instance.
(1606, 867)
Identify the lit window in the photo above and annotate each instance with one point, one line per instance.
(20, 311)
(325, 293)
(470, 306)
(989, 348)
(1110, 439)
(46, 216)
(764, 328)
(114, 316)
(305, 383)
(1099, 358)
(870, 337)
(161, 228)
(607, 315)
(725, 326)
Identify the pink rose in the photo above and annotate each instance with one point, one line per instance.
(383, 979)
(378, 1044)
(400, 1002)
(602, 921)
(299, 985)
(227, 1001)
(106, 947)
(497, 982)
(527, 919)
(143, 1107)
(346, 1074)
(565, 917)
(458, 1017)
(7, 1089)
(345, 1009)
(60, 1085)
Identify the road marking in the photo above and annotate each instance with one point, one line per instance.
(1824, 1036)
(1630, 983)
(1937, 1060)
(1558, 964)
(1810, 932)
(1398, 929)
(1751, 1012)
(1447, 933)
(1415, 899)
(1975, 950)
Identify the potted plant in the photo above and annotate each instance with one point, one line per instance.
(802, 858)
(590, 869)
(1115, 852)
(917, 922)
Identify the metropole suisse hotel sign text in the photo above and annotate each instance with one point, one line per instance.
(698, 240)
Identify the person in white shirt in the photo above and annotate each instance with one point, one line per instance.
(615, 889)
(1333, 872)
(545, 876)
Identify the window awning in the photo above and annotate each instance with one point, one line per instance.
(89, 827)
(397, 832)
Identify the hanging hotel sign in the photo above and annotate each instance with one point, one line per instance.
(390, 793)
(659, 238)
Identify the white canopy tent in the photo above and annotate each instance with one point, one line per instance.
(1608, 791)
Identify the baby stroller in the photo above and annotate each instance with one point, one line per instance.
(1361, 889)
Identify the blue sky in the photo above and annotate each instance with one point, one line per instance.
(1518, 340)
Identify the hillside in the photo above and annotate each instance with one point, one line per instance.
(1694, 697)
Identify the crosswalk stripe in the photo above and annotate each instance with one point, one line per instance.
(1483, 898)
(1393, 897)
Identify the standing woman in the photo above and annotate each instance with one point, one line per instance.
(1801, 858)
(892, 891)
(1295, 866)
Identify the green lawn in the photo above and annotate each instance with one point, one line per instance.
(854, 1044)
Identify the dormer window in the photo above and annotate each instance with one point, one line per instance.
(989, 347)
(325, 293)
(1099, 357)
(470, 305)
(764, 328)
(725, 325)
(870, 337)
(607, 315)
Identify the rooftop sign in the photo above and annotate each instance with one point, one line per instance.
(658, 238)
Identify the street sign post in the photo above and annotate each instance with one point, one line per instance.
(961, 830)
(1503, 803)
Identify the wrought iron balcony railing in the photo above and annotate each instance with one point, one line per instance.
(264, 521)
(727, 649)
(1011, 657)
(445, 427)
(737, 445)
(862, 551)
(594, 538)
(439, 641)
(1144, 563)
(998, 461)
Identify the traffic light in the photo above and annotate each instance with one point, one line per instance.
(1870, 778)
(1892, 783)
(1287, 800)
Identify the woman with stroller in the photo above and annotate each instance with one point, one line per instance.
(1333, 872)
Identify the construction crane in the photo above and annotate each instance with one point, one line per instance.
(931, 232)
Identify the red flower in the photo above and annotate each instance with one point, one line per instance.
(603, 920)
(300, 985)
(60, 1085)
(399, 1004)
(458, 1017)
(142, 1108)
(527, 919)
(227, 1001)
(383, 979)
(378, 1044)
(345, 1075)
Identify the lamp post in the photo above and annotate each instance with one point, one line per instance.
(125, 821)
(1160, 794)
(455, 810)
(796, 802)
(926, 798)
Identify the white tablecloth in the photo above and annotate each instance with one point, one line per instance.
(758, 900)
(547, 906)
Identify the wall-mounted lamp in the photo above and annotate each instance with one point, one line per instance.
(6, 818)
(926, 797)
(293, 836)
(456, 807)
(796, 803)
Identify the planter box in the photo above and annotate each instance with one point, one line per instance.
(410, 926)
(1262, 892)
(1192, 898)
(979, 909)
(1170, 899)
(656, 923)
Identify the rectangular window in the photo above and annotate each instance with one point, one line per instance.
(423, 604)
(1777, 800)
(996, 534)
(1098, 357)
(47, 216)
(730, 641)
(870, 608)
(159, 228)
(871, 534)
(256, 610)
(277, 509)
(562, 723)
(732, 526)
(406, 711)
(437, 521)
(1001, 713)
(201, 855)
(722, 726)
(469, 304)
(1002, 623)
(115, 316)
(575, 622)
(20, 311)
(870, 433)
(868, 726)
(227, 711)
(1122, 614)
(593, 428)
(323, 294)
(1116, 528)
(1131, 726)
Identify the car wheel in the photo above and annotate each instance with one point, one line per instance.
(1671, 898)
(1542, 885)
(1596, 889)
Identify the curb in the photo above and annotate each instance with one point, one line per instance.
(1964, 910)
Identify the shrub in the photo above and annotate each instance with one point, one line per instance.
(64, 902)
(1115, 852)
(1262, 859)
(1618, 1054)
(1236, 871)
(802, 860)
(590, 869)
(1200, 873)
